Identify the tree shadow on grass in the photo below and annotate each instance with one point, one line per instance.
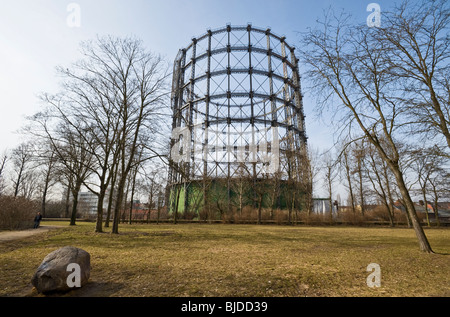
(91, 289)
(440, 253)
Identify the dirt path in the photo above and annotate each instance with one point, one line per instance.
(14, 235)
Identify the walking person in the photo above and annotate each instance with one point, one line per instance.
(37, 220)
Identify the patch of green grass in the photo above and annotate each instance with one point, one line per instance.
(238, 260)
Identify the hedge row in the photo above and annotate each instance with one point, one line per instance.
(17, 213)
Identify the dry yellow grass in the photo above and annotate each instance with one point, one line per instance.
(238, 260)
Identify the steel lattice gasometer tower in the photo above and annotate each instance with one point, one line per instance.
(237, 115)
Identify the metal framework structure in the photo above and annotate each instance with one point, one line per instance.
(237, 102)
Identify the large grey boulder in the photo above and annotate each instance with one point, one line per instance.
(62, 270)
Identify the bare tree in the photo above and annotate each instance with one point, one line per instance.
(112, 98)
(313, 171)
(241, 185)
(46, 161)
(111, 196)
(88, 96)
(3, 159)
(75, 157)
(140, 92)
(151, 187)
(274, 193)
(359, 153)
(378, 175)
(69, 144)
(415, 37)
(330, 175)
(439, 181)
(305, 175)
(346, 64)
(345, 162)
(22, 157)
(133, 178)
(422, 165)
(428, 165)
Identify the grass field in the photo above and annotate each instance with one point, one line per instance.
(238, 260)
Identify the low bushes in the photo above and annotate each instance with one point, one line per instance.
(17, 213)
(248, 214)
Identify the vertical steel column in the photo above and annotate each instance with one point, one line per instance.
(273, 101)
(190, 127)
(290, 146)
(180, 176)
(205, 146)
(286, 96)
(252, 104)
(304, 162)
(229, 115)
(297, 93)
(191, 102)
(270, 72)
(178, 103)
(207, 99)
(171, 177)
(252, 111)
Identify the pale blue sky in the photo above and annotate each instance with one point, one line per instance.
(35, 38)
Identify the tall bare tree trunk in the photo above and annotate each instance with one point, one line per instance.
(411, 211)
(75, 192)
(349, 181)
